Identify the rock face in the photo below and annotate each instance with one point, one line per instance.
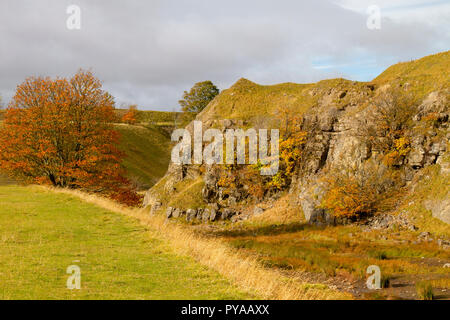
(191, 214)
(387, 221)
(440, 208)
(336, 122)
(204, 215)
(338, 143)
(212, 215)
(169, 212)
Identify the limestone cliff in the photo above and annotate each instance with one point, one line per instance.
(337, 115)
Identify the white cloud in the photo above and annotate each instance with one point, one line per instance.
(148, 52)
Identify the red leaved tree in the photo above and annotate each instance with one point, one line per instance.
(59, 132)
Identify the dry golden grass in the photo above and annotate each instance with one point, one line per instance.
(243, 271)
(282, 212)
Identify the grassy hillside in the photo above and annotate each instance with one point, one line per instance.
(43, 233)
(147, 151)
(249, 101)
(153, 117)
(434, 66)
(421, 76)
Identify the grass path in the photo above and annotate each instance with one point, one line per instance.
(244, 271)
(42, 233)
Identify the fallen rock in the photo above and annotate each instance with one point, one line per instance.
(190, 214)
(257, 211)
(169, 212)
(199, 215)
(154, 207)
(205, 216)
(177, 213)
(213, 214)
(440, 209)
(227, 213)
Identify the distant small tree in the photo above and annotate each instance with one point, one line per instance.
(198, 97)
(131, 116)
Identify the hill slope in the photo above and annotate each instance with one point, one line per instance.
(247, 100)
(147, 150)
(353, 130)
(335, 113)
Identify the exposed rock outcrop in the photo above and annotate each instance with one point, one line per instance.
(440, 209)
(336, 114)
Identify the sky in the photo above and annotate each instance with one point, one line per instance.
(148, 52)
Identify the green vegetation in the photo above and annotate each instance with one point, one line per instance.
(248, 101)
(198, 97)
(147, 151)
(424, 291)
(420, 76)
(43, 233)
(160, 118)
(432, 66)
(431, 188)
(252, 102)
(157, 117)
(338, 252)
(147, 154)
(188, 195)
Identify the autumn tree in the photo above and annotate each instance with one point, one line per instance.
(198, 97)
(130, 116)
(59, 132)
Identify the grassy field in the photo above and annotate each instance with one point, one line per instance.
(42, 233)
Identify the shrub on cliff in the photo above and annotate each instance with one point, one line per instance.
(360, 190)
(388, 126)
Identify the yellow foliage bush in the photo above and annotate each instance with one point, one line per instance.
(360, 190)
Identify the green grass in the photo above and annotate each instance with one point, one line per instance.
(153, 117)
(247, 100)
(330, 250)
(157, 116)
(422, 76)
(147, 151)
(432, 185)
(42, 233)
(252, 102)
(424, 291)
(5, 180)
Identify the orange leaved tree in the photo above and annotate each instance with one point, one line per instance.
(130, 116)
(59, 132)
